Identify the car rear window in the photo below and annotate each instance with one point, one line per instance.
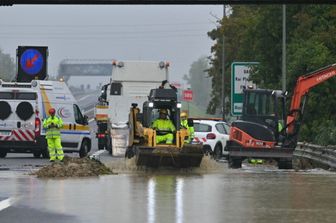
(199, 127)
(18, 95)
(220, 128)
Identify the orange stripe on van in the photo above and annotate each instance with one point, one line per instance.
(46, 103)
(82, 127)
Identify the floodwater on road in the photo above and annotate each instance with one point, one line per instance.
(216, 194)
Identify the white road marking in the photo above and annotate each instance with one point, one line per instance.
(88, 111)
(5, 203)
(85, 97)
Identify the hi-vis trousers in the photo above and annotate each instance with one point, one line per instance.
(167, 139)
(55, 149)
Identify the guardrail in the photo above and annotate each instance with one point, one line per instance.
(312, 156)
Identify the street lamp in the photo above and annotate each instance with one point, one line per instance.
(223, 67)
(283, 47)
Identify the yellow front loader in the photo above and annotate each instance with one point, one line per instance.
(142, 138)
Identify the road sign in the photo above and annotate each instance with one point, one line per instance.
(240, 72)
(32, 63)
(187, 95)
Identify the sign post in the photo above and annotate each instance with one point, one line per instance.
(187, 95)
(240, 72)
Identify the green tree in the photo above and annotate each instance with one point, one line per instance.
(313, 46)
(7, 67)
(235, 28)
(253, 33)
(199, 81)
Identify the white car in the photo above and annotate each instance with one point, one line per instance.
(213, 135)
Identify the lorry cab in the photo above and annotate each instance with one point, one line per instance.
(26, 105)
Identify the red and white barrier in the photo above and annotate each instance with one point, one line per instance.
(19, 135)
(198, 139)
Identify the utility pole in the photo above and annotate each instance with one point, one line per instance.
(223, 67)
(283, 47)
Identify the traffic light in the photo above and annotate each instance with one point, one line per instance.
(32, 63)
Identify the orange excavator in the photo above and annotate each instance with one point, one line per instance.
(265, 129)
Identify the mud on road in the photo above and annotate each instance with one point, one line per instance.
(73, 167)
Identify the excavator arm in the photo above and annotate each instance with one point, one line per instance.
(303, 85)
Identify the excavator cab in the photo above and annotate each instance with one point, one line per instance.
(260, 133)
(265, 107)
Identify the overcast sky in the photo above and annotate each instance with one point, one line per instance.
(146, 32)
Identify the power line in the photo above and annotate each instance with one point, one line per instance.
(20, 32)
(99, 25)
(99, 37)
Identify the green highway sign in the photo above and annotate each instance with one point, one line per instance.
(240, 72)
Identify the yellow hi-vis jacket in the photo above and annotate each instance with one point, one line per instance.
(53, 125)
(164, 125)
(184, 124)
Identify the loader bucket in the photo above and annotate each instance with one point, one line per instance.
(189, 156)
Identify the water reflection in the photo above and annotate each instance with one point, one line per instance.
(165, 199)
(179, 200)
(151, 201)
(231, 196)
(163, 196)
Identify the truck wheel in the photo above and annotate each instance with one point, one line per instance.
(109, 145)
(42, 142)
(235, 163)
(85, 147)
(218, 152)
(129, 152)
(45, 154)
(37, 154)
(101, 144)
(3, 154)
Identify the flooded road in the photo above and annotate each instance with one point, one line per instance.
(252, 194)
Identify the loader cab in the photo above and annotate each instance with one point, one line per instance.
(266, 107)
(161, 99)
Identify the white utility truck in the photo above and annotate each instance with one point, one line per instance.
(131, 82)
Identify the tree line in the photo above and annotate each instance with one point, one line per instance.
(7, 66)
(253, 33)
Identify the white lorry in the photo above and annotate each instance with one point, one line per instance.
(23, 108)
(131, 82)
